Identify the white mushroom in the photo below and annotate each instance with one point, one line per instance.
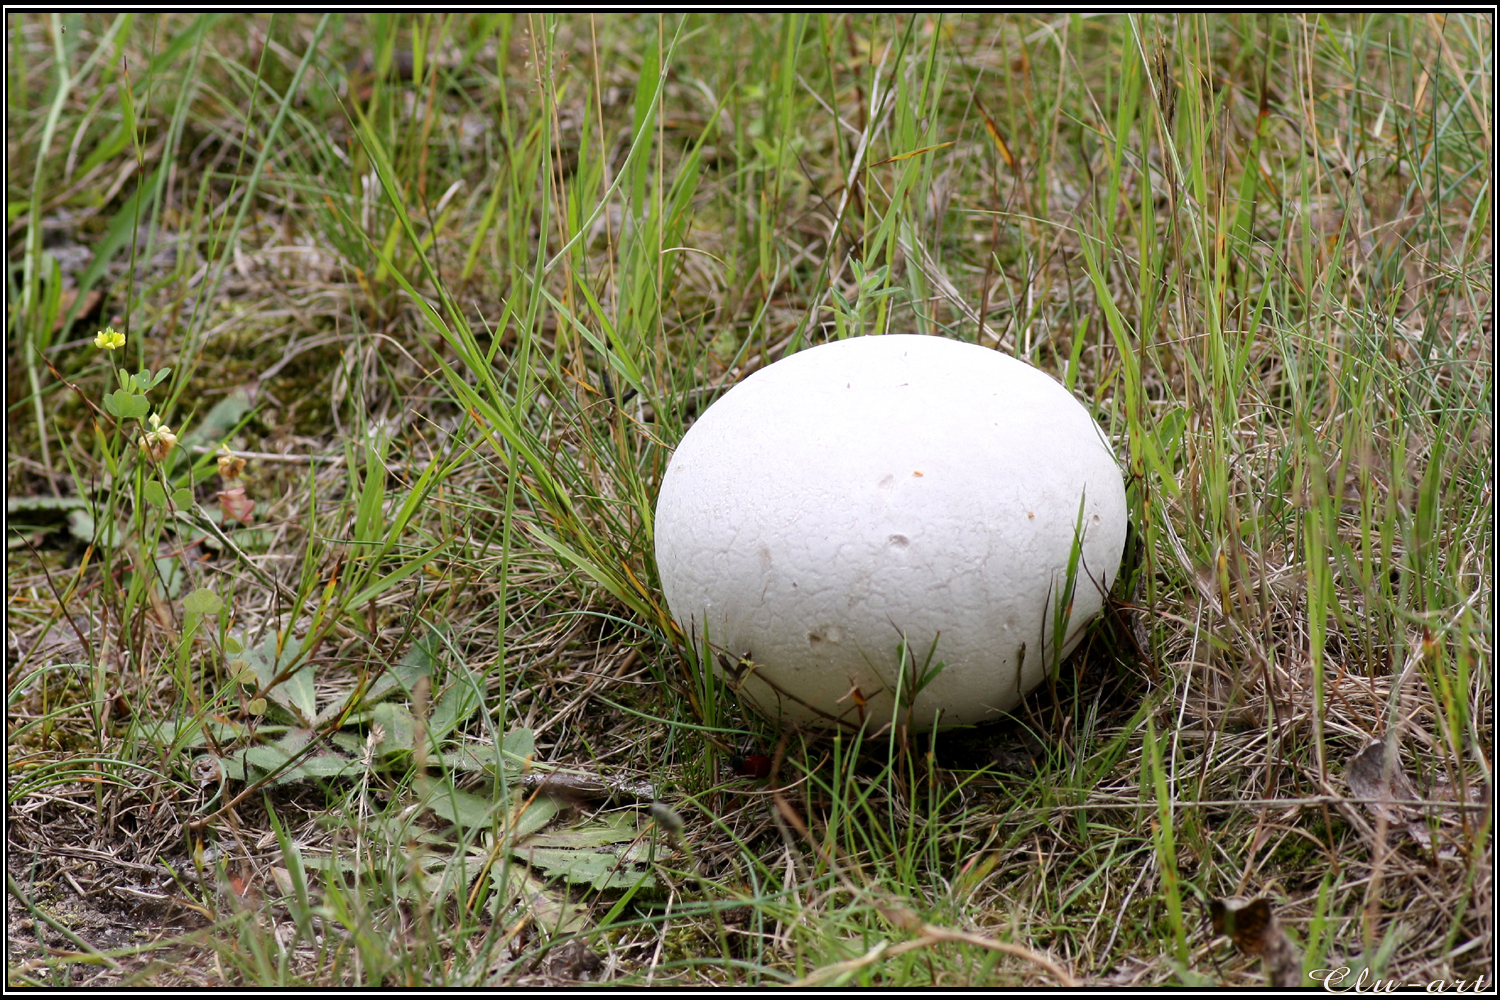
(887, 491)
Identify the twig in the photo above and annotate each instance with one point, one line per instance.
(268, 456)
(933, 934)
(578, 786)
(904, 918)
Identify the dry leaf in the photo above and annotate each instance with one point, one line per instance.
(1381, 781)
(1390, 794)
(1464, 799)
(235, 505)
(1251, 925)
(85, 312)
(575, 960)
(1248, 923)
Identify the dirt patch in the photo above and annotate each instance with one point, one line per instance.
(101, 868)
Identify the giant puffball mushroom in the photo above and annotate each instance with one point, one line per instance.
(882, 493)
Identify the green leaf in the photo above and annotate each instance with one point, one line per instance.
(471, 759)
(220, 421)
(126, 405)
(248, 539)
(327, 765)
(154, 493)
(113, 143)
(268, 758)
(593, 835)
(349, 742)
(159, 377)
(611, 582)
(513, 755)
(462, 808)
(551, 911)
(202, 602)
(606, 854)
(182, 497)
(264, 758)
(296, 739)
(21, 505)
(82, 527)
(457, 702)
(189, 733)
(122, 227)
(171, 575)
(398, 725)
(385, 583)
(47, 314)
(416, 664)
(329, 862)
(601, 870)
(534, 817)
(234, 768)
(295, 693)
(519, 745)
(369, 511)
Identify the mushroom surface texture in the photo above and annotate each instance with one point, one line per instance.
(882, 494)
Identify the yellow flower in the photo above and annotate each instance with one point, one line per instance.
(109, 339)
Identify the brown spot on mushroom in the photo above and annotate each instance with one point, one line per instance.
(917, 472)
(828, 633)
